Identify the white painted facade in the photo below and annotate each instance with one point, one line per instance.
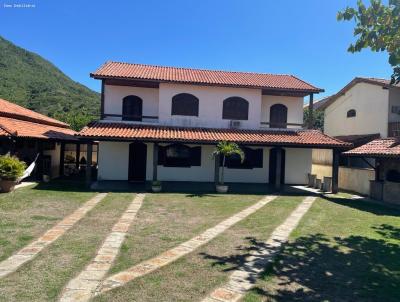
(113, 164)
(113, 156)
(373, 107)
(158, 102)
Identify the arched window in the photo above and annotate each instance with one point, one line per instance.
(132, 108)
(235, 108)
(351, 113)
(278, 116)
(185, 104)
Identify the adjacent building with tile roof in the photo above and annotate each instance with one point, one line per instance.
(365, 112)
(26, 134)
(163, 123)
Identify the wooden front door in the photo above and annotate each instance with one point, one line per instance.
(272, 166)
(137, 162)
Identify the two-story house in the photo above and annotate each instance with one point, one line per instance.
(364, 110)
(162, 123)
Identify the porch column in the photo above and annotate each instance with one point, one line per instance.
(278, 173)
(39, 169)
(216, 169)
(335, 171)
(377, 168)
(155, 161)
(62, 157)
(311, 112)
(77, 155)
(89, 151)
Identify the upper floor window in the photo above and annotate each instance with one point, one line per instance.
(185, 104)
(351, 113)
(278, 116)
(235, 108)
(132, 108)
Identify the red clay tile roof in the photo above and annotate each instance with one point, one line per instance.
(20, 128)
(385, 147)
(115, 130)
(358, 139)
(8, 109)
(199, 76)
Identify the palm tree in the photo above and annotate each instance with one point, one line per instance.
(226, 149)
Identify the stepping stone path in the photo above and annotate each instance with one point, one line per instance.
(243, 279)
(181, 250)
(83, 286)
(26, 254)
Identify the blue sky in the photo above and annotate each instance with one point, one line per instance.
(295, 37)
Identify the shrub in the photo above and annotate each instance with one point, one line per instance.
(11, 167)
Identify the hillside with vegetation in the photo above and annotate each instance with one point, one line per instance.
(29, 80)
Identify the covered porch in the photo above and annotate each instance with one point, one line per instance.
(138, 153)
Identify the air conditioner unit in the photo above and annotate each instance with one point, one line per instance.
(235, 124)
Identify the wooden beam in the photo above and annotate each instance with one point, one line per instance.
(278, 172)
(62, 158)
(155, 161)
(89, 151)
(216, 169)
(335, 171)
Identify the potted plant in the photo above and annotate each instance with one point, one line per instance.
(11, 168)
(156, 186)
(224, 150)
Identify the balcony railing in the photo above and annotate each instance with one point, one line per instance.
(281, 125)
(394, 129)
(128, 117)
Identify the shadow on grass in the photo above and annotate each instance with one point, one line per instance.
(316, 268)
(366, 205)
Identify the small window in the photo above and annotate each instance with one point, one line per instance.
(235, 108)
(351, 113)
(253, 158)
(185, 104)
(179, 155)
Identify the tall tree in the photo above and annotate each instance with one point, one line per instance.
(378, 28)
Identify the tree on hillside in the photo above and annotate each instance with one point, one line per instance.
(377, 28)
(318, 119)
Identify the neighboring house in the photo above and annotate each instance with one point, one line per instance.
(26, 134)
(364, 110)
(162, 123)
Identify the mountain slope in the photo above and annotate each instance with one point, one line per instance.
(33, 82)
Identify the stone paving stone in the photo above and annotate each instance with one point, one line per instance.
(27, 253)
(82, 287)
(243, 278)
(148, 266)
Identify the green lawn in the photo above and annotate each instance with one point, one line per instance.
(195, 275)
(28, 212)
(343, 250)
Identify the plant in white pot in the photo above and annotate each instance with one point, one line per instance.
(156, 186)
(11, 168)
(226, 149)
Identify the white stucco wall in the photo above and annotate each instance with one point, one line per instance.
(114, 162)
(113, 159)
(371, 104)
(298, 165)
(210, 105)
(113, 96)
(157, 102)
(293, 104)
(394, 100)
